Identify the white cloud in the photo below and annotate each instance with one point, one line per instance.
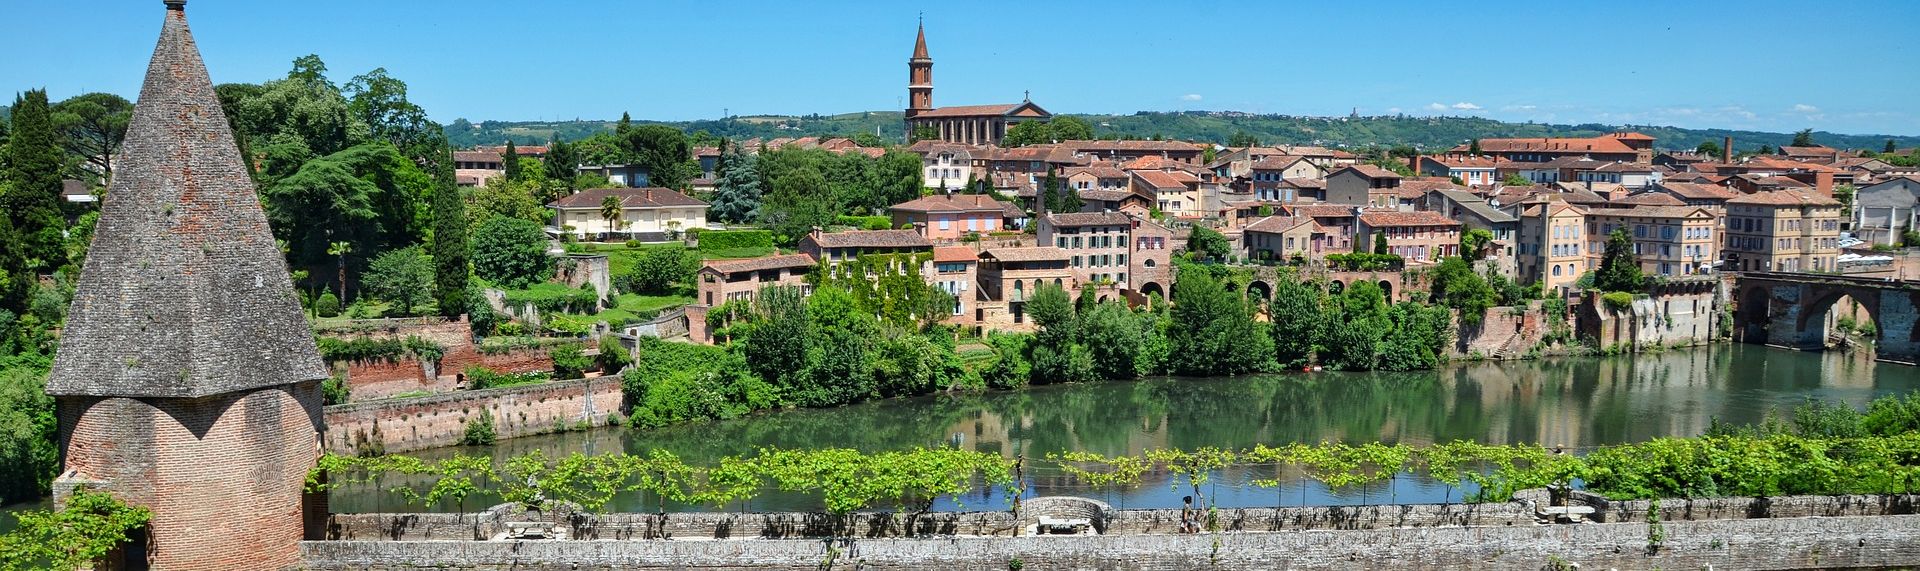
(1805, 108)
(1437, 106)
(1464, 106)
(1190, 97)
(1519, 108)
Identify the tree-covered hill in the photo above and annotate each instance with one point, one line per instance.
(1217, 126)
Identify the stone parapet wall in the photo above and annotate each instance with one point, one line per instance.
(400, 425)
(1794, 543)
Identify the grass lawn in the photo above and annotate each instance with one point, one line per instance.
(628, 307)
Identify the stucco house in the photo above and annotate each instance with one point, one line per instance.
(647, 214)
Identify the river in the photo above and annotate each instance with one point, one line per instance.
(1572, 401)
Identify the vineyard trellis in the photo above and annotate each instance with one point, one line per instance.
(911, 480)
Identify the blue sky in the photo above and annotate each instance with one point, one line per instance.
(1776, 66)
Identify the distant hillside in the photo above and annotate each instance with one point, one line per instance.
(1425, 132)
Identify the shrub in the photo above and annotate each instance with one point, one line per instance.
(632, 244)
(613, 355)
(866, 222)
(511, 252)
(569, 361)
(481, 378)
(657, 270)
(479, 430)
(714, 240)
(677, 382)
(1617, 300)
(553, 298)
(327, 305)
(334, 391)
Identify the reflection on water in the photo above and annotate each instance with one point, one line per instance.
(1572, 402)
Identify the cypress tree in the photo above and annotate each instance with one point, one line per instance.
(511, 162)
(34, 159)
(449, 238)
(1619, 271)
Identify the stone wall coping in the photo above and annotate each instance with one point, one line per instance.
(461, 395)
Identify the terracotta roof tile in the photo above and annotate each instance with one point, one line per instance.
(1784, 198)
(871, 239)
(629, 198)
(951, 203)
(1278, 224)
(955, 254)
(1027, 254)
(760, 263)
(1074, 219)
(1415, 218)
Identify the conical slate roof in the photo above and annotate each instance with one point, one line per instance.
(184, 293)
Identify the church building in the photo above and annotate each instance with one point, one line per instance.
(966, 124)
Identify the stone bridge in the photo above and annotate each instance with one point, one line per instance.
(1790, 310)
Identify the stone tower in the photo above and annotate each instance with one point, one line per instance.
(187, 380)
(919, 77)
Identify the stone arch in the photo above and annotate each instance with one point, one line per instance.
(1152, 288)
(1335, 287)
(1386, 290)
(1259, 288)
(1810, 326)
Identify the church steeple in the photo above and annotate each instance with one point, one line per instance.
(919, 76)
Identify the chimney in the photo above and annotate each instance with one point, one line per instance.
(1726, 150)
(1413, 163)
(815, 233)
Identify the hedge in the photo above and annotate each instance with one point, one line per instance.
(867, 222)
(712, 240)
(553, 298)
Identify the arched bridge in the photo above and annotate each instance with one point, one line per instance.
(1790, 310)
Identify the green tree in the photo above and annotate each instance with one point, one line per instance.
(562, 164)
(1456, 285)
(35, 161)
(1473, 147)
(1803, 138)
(403, 278)
(1214, 331)
(1243, 139)
(1708, 149)
(610, 208)
(1057, 356)
(28, 453)
(1379, 242)
(94, 124)
(925, 133)
(659, 269)
(1069, 128)
(511, 253)
(664, 153)
(1207, 244)
(798, 203)
(510, 162)
(379, 101)
(1299, 317)
(450, 247)
(504, 198)
(736, 199)
(304, 107)
(1027, 133)
(1474, 243)
(339, 250)
(1619, 271)
(1889, 147)
(777, 340)
(369, 195)
(1115, 339)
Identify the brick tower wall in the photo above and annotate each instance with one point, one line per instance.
(223, 475)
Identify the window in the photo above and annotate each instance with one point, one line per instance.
(1076, 261)
(973, 224)
(1123, 241)
(1148, 263)
(946, 223)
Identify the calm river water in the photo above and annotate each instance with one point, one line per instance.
(1564, 401)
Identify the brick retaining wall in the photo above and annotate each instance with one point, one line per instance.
(439, 420)
(381, 379)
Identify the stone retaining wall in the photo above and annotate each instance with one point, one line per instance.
(371, 380)
(1795, 543)
(401, 425)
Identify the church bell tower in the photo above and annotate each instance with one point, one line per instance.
(919, 77)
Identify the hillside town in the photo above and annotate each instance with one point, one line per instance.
(293, 325)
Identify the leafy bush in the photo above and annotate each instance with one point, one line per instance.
(482, 378)
(715, 240)
(866, 222)
(1617, 300)
(677, 382)
(658, 270)
(479, 430)
(327, 305)
(368, 349)
(1365, 262)
(553, 298)
(569, 361)
(334, 391)
(511, 252)
(613, 355)
(92, 525)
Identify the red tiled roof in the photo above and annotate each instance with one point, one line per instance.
(1321, 210)
(1278, 224)
(1082, 146)
(1697, 190)
(1369, 171)
(951, 203)
(1652, 199)
(1784, 198)
(1162, 179)
(1027, 254)
(760, 263)
(1605, 144)
(1415, 218)
(1653, 211)
(629, 198)
(1275, 163)
(955, 254)
(870, 239)
(1074, 219)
